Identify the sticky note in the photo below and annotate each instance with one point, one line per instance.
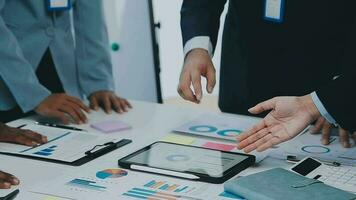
(219, 146)
(51, 198)
(110, 126)
(177, 139)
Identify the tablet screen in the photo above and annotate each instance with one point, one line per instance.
(186, 158)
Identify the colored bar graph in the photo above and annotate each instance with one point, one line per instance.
(181, 189)
(86, 184)
(163, 185)
(173, 187)
(149, 194)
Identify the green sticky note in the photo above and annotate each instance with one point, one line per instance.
(177, 139)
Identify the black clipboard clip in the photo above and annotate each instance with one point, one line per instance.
(107, 147)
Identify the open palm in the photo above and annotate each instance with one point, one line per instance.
(288, 117)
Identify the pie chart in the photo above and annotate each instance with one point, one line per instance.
(111, 173)
(229, 132)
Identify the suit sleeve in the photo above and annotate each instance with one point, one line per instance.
(201, 18)
(16, 72)
(339, 99)
(92, 47)
(339, 96)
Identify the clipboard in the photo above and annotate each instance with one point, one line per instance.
(91, 154)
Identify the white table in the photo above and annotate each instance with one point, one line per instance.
(150, 123)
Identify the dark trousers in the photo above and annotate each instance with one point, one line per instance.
(47, 76)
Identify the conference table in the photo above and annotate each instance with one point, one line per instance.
(150, 122)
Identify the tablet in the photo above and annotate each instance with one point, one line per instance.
(188, 162)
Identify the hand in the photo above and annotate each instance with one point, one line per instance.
(325, 127)
(289, 116)
(7, 180)
(197, 63)
(20, 136)
(108, 101)
(61, 106)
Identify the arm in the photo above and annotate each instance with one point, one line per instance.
(200, 21)
(339, 97)
(290, 115)
(93, 57)
(16, 72)
(92, 47)
(201, 18)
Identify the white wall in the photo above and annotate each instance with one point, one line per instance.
(171, 51)
(133, 64)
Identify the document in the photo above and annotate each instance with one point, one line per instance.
(117, 184)
(64, 145)
(218, 126)
(308, 145)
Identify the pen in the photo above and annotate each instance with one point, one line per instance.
(293, 159)
(23, 125)
(12, 195)
(59, 126)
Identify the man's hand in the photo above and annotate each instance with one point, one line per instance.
(289, 117)
(7, 180)
(20, 136)
(197, 63)
(108, 101)
(325, 127)
(63, 107)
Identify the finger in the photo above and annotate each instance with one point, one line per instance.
(264, 106)
(128, 104)
(71, 112)
(23, 140)
(261, 139)
(317, 126)
(79, 103)
(253, 138)
(344, 138)
(325, 133)
(107, 104)
(59, 115)
(252, 131)
(211, 79)
(116, 102)
(184, 89)
(124, 106)
(94, 103)
(269, 144)
(36, 137)
(8, 178)
(79, 112)
(4, 184)
(196, 81)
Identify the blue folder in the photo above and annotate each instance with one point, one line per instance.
(281, 184)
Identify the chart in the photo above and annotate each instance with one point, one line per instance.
(163, 185)
(111, 173)
(86, 184)
(223, 127)
(171, 190)
(310, 145)
(47, 151)
(178, 158)
(152, 194)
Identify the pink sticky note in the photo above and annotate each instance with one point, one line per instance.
(110, 126)
(219, 146)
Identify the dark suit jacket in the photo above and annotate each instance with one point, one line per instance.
(339, 96)
(262, 59)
